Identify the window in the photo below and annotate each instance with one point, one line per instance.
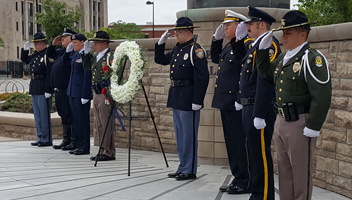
(93, 21)
(98, 6)
(22, 7)
(30, 28)
(30, 9)
(23, 35)
(16, 6)
(39, 8)
(18, 52)
(39, 28)
(99, 22)
(93, 5)
(16, 26)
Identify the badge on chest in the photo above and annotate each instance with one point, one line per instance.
(79, 60)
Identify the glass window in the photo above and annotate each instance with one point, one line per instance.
(22, 7)
(16, 6)
(93, 5)
(16, 26)
(30, 9)
(30, 28)
(18, 52)
(23, 35)
(39, 8)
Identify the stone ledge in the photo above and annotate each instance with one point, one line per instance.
(25, 119)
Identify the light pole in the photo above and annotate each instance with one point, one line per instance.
(152, 3)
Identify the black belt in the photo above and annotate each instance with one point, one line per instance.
(247, 101)
(97, 88)
(37, 76)
(59, 90)
(290, 111)
(180, 83)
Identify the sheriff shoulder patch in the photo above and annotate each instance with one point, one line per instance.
(200, 53)
(318, 61)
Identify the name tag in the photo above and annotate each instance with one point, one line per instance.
(79, 60)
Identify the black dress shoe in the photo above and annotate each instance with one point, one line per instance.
(68, 147)
(72, 151)
(104, 157)
(81, 152)
(44, 144)
(236, 190)
(183, 176)
(223, 188)
(173, 175)
(34, 143)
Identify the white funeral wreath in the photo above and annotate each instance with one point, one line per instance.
(126, 92)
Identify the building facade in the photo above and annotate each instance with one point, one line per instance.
(18, 22)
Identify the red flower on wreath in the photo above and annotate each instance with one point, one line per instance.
(106, 69)
(104, 90)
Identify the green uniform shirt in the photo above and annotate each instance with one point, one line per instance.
(292, 87)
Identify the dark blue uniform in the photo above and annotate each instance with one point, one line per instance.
(229, 59)
(257, 96)
(189, 82)
(80, 87)
(40, 83)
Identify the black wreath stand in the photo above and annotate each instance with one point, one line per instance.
(130, 117)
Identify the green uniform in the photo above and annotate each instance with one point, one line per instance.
(291, 85)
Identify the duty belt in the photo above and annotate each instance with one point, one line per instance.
(36, 76)
(180, 83)
(97, 88)
(247, 101)
(290, 111)
(59, 90)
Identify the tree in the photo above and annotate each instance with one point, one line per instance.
(324, 12)
(2, 44)
(56, 17)
(123, 30)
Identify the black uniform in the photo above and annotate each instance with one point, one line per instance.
(229, 59)
(257, 96)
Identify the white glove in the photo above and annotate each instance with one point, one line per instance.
(259, 123)
(196, 107)
(107, 102)
(310, 133)
(220, 32)
(84, 101)
(164, 37)
(238, 106)
(69, 48)
(87, 47)
(47, 95)
(266, 42)
(26, 46)
(241, 31)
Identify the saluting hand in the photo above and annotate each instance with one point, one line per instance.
(259, 123)
(87, 47)
(56, 41)
(241, 31)
(266, 41)
(69, 47)
(164, 37)
(26, 46)
(219, 32)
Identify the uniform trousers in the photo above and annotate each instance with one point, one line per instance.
(235, 140)
(260, 160)
(63, 107)
(81, 122)
(186, 130)
(294, 159)
(41, 111)
(101, 113)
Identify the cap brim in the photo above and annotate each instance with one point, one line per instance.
(228, 21)
(66, 34)
(101, 40)
(40, 40)
(292, 26)
(183, 27)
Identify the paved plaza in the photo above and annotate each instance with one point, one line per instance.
(37, 173)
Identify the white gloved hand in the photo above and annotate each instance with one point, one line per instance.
(220, 32)
(238, 106)
(47, 95)
(87, 47)
(196, 107)
(241, 31)
(69, 48)
(84, 101)
(26, 46)
(310, 132)
(259, 123)
(266, 42)
(164, 37)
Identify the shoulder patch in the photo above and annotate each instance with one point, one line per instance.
(318, 61)
(271, 53)
(199, 53)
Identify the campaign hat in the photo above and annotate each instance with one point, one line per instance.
(294, 18)
(101, 36)
(39, 37)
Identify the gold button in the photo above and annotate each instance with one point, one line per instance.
(222, 60)
(242, 65)
(217, 76)
(178, 54)
(172, 72)
(282, 72)
(230, 92)
(172, 78)
(293, 78)
(173, 65)
(34, 61)
(247, 70)
(183, 65)
(36, 58)
(32, 70)
(240, 91)
(93, 76)
(241, 74)
(280, 90)
(230, 60)
(93, 73)
(279, 98)
(95, 69)
(216, 85)
(218, 67)
(175, 59)
(181, 50)
(281, 81)
(239, 82)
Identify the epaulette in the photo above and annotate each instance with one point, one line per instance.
(248, 39)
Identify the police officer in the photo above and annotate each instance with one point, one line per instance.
(60, 76)
(39, 88)
(102, 109)
(256, 98)
(229, 59)
(80, 93)
(189, 81)
(303, 96)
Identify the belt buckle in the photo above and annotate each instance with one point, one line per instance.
(32, 76)
(281, 112)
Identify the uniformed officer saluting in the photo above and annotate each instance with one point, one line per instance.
(189, 81)
(303, 96)
(256, 97)
(39, 88)
(59, 78)
(226, 89)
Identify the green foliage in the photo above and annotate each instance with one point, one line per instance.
(19, 102)
(2, 44)
(123, 30)
(56, 17)
(324, 12)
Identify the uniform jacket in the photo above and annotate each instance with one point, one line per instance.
(81, 79)
(254, 86)
(40, 68)
(60, 71)
(291, 86)
(181, 68)
(229, 59)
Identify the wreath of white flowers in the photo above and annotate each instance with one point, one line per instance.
(126, 92)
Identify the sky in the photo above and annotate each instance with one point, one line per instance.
(138, 12)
